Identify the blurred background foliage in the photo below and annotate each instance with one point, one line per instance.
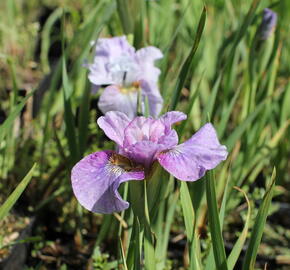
(239, 82)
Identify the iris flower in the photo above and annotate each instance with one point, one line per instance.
(268, 23)
(141, 142)
(126, 74)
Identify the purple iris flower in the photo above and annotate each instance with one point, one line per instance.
(141, 142)
(268, 23)
(126, 73)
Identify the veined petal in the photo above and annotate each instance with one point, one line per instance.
(114, 124)
(115, 99)
(169, 140)
(96, 178)
(143, 129)
(189, 161)
(143, 152)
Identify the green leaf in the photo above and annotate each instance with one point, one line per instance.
(84, 119)
(134, 254)
(189, 220)
(188, 62)
(238, 132)
(214, 223)
(149, 252)
(68, 115)
(125, 16)
(236, 251)
(5, 127)
(8, 204)
(258, 229)
(211, 101)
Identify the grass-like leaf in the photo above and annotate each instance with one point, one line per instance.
(258, 229)
(189, 220)
(214, 224)
(8, 204)
(236, 251)
(188, 62)
(5, 127)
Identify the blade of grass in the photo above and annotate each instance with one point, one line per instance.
(210, 259)
(182, 77)
(189, 220)
(125, 16)
(5, 127)
(149, 252)
(258, 229)
(236, 251)
(207, 112)
(134, 255)
(8, 204)
(214, 223)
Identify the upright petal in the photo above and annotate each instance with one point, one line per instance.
(113, 47)
(114, 124)
(146, 58)
(171, 118)
(189, 161)
(95, 182)
(151, 92)
(115, 99)
(107, 52)
(143, 129)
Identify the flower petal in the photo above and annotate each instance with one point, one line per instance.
(169, 140)
(114, 124)
(151, 92)
(143, 129)
(149, 53)
(172, 117)
(107, 50)
(143, 152)
(146, 57)
(189, 161)
(95, 182)
(115, 99)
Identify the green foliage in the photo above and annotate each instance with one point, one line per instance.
(213, 68)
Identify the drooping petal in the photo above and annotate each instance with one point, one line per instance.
(114, 124)
(98, 74)
(114, 98)
(172, 117)
(151, 92)
(189, 161)
(95, 182)
(143, 129)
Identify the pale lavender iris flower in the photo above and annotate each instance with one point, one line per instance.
(141, 142)
(127, 74)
